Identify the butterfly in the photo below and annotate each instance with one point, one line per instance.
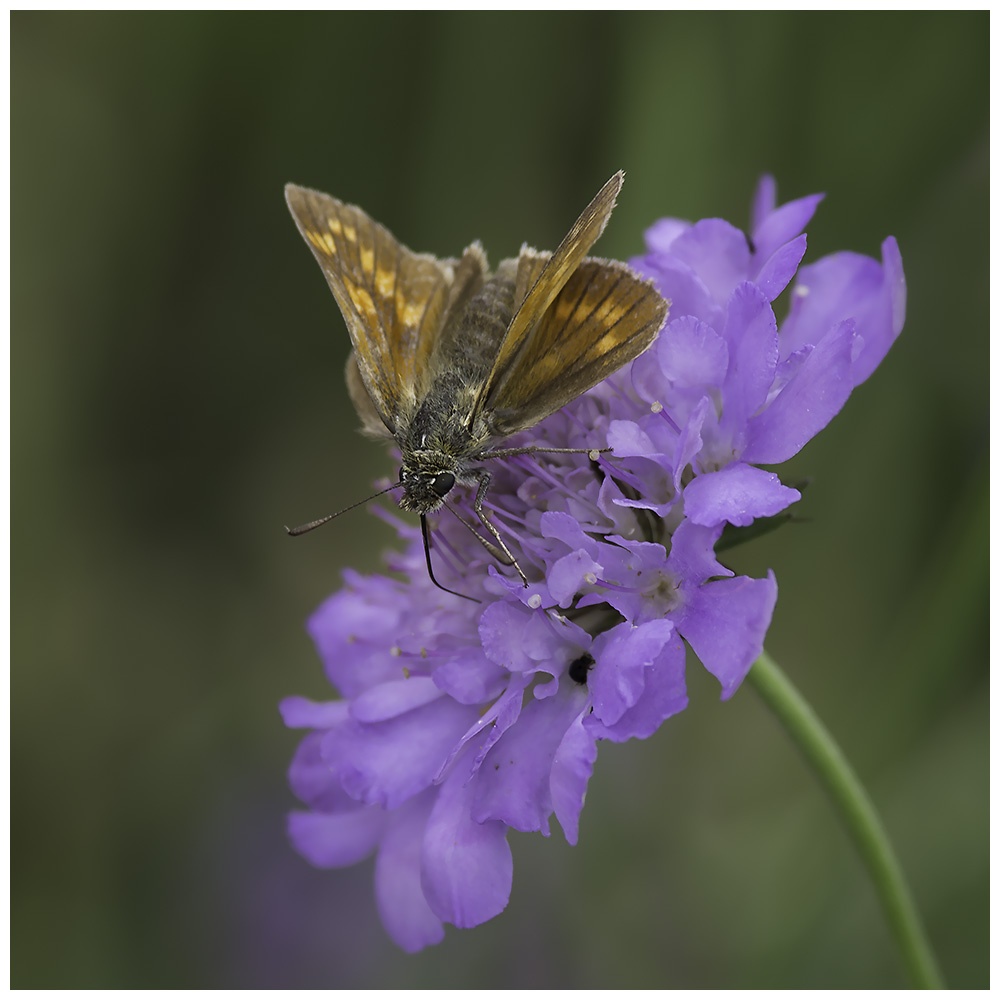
(450, 358)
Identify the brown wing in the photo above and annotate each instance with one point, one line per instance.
(604, 316)
(394, 301)
(539, 285)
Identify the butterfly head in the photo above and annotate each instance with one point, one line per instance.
(427, 477)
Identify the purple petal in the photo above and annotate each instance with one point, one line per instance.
(572, 767)
(386, 701)
(680, 285)
(717, 252)
(810, 400)
(335, 840)
(752, 334)
(780, 268)
(312, 780)
(690, 441)
(764, 200)
(402, 905)
(555, 524)
(526, 639)
(850, 286)
(470, 677)
(664, 694)
(390, 762)
(692, 354)
(342, 628)
(302, 713)
(622, 655)
(489, 727)
(725, 622)
(626, 438)
(737, 494)
(880, 326)
(513, 785)
(534, 596)
(784, 224)
(466, 867)
(692, 554)
(570, 574)
(662, 233)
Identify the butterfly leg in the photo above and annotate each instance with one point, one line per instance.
(502, 555)
(500, 552)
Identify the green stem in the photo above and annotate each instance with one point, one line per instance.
(858, 814)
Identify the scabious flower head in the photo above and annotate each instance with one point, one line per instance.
(458, 720)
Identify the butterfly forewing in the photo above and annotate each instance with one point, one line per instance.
(539, 287)
(393, 300)
(604, 316)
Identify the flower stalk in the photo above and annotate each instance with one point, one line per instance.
(857, 813)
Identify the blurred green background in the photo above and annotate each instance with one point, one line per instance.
(177, 398)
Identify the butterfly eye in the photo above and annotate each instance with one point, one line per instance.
(443, 483)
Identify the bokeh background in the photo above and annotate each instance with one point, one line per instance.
(177, 397)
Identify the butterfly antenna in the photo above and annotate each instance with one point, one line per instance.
(303, 528)
(430, 569)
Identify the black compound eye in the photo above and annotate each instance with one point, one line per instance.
(442, 484)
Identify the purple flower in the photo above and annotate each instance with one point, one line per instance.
(459, 720)
(734, 389)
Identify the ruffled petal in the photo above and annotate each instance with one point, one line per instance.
(737, 494)
(810, 400)
(572, 767)
(783, 224)
(390, 762)
(625, 661)
(302, 713)
(850, 286)
(752, 334)
(393, 698)
(335, 840)
(402, 905)
(717, 252)
(692, 354)
(779, 269)
(466, 867)
(513, 785)
(725, 622)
